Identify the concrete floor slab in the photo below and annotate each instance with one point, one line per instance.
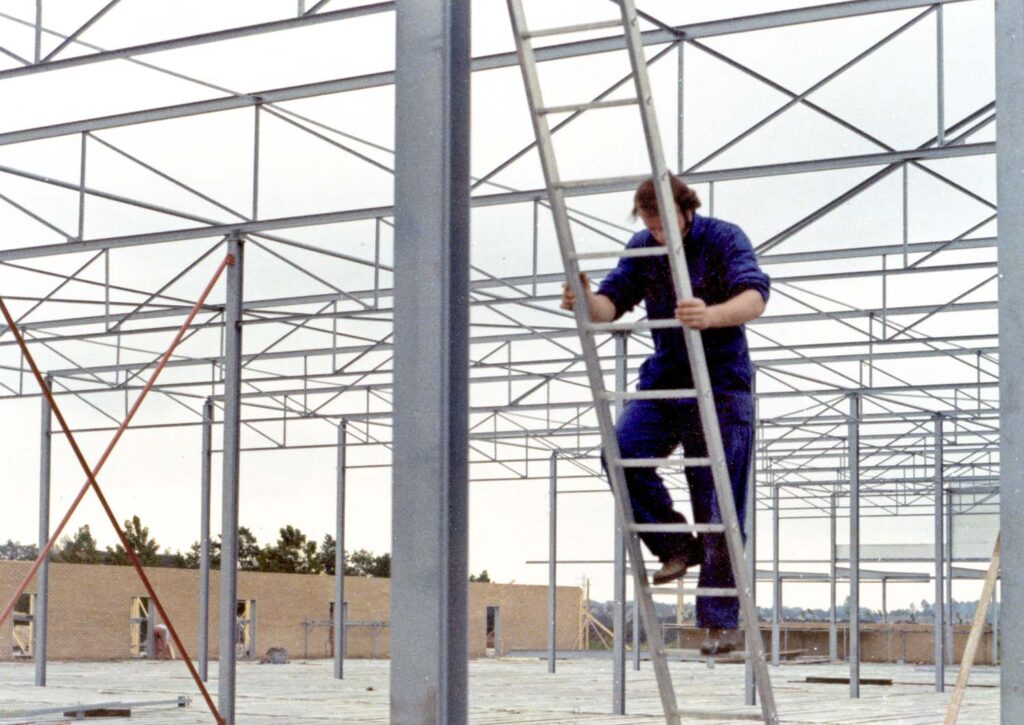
(507, 690)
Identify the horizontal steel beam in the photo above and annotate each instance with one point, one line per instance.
(709, 29)
(597, 187)
(521, 337)
(160, 46)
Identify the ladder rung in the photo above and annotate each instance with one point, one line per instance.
(573, 107)
(649, 394)
(567, 29)
(661, 462)
(659, 324)
(722, 715)
(709, 591)
(611, 183)
(678, 528)
(658, 251)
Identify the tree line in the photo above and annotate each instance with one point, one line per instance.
(292, 553)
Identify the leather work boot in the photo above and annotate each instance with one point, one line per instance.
(675, 568)
(721, 641)
(672, 569)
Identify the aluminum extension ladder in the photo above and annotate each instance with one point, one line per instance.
(603, 398)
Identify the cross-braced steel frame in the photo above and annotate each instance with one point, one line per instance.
(880, 391)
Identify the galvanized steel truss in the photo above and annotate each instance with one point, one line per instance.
(321, 357)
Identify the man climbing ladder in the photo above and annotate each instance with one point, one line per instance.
(725, 274)
(729, 289)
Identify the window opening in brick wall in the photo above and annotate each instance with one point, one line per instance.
(140, 633)
(245, 631)
(23, 630)
(493, 645)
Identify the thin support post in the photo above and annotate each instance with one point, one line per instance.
(619, 563)
(429, 589)
(1009, 35)
(150, 630)
(637, 628)
(995, 625)
(229, 481)
(204, 540)
(536, 242)
(885, 620)
(339, 560)
(81, 189)
(552, 560)
(39, 31)
(40, 621)
(256, 162)
(854, 613)
(776, 578)
(948, 609)
(750, 526)
(833, 628)
(680, 104)
(940, 79)
(938, 610)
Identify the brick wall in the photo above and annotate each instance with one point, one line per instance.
(90, 607)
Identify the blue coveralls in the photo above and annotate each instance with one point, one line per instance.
(722, 264)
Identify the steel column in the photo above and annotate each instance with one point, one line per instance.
(833, 629)
(1009, 35)
(229, 482)
(750, 526)
(948, 595)
(150, 630)
(776, 578)
(552, 560)
(430, 490)
(995, 625)
(40, 622)
(619, 561)
(204, 540)
(885, 620)
(854, 609)
(637, 628)
(938, 610)
(339, 560)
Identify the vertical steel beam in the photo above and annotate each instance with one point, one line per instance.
(229, 481)
(750, 526)
(940, 79)
(948, 608)
(40, 621)
(995, 624)
(833, 628)
(339, 560)
(552, 560)
(885, 620)
(938, 610)
(1009, 33)
(431, 401)
(776, 578)
(619, 562)
(680, 104)
(39, 31)
(151, 630)
(256, 162)
(853, 439)
(204, 540)
(637, 628)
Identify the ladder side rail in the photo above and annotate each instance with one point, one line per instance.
(697, 359)
(565, 243)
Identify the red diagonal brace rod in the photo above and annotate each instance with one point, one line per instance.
(91, 476)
